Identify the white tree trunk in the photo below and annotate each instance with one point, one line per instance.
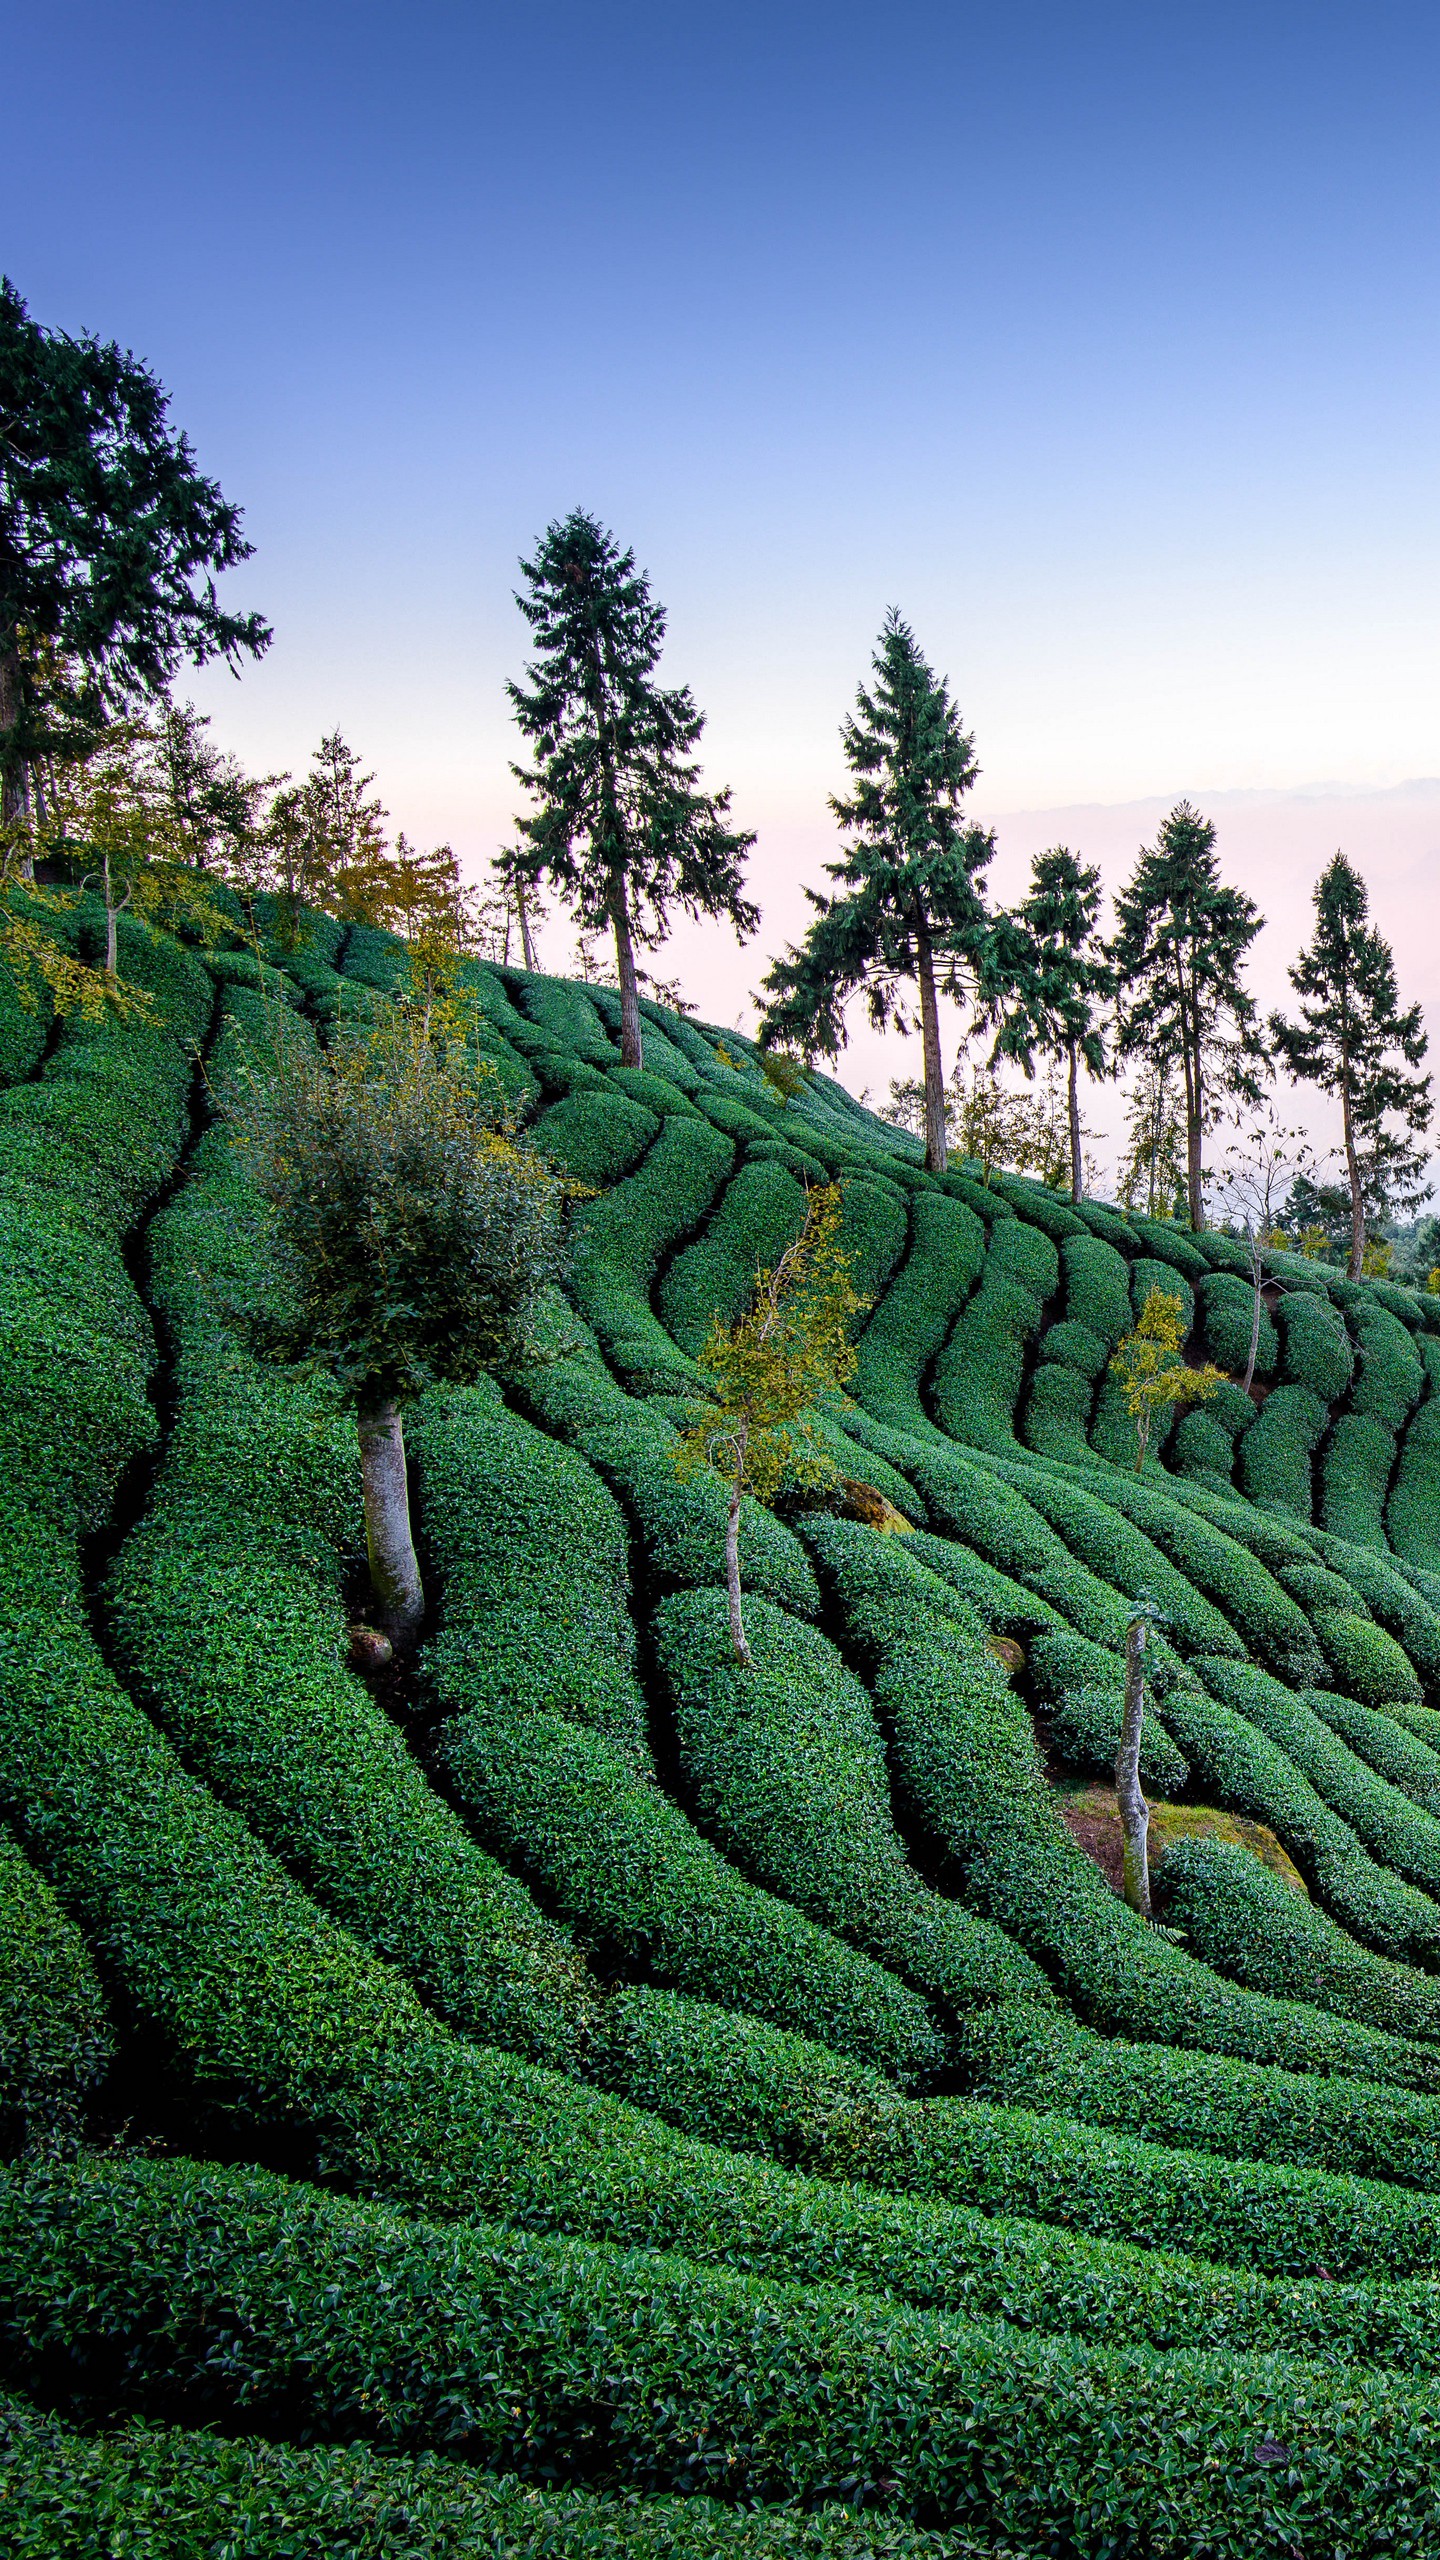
(1134, 1811)
(393, 1568)
(933, 1067)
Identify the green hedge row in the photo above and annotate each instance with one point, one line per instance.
(1277, 1452)
(1315, 2129)
(1227, 1314)
(1083, 1688)
(978, 1508)
(1097, 1533)
(1385, 1590)
(1202, 1443)
(1097, 1287)
(545, 1746)
(1364, 1660)
(1250, 1924)
(1391, 1750)
(1412, 1514)
(909, 1325)
(786, 1769)
(1389, 1377)
(966, 1754)
(156, 2493)
(1169, 1244)
(55, 2039)
(229, 1621)
(375, 958)
(1060, 1398)
(1241, 1768)
(1315, 1347)
(1355, 1468)
(565, 1012)
(760, 1211)
(1391, 1827)
(83, 1149)
(558, 2358)
(979, 1372)
(1264, 1616)
(595, 1135)
(680, 1525)
(621, 1237)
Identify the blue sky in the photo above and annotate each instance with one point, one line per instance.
(1102, 340)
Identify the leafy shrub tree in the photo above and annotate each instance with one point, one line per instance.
(1129, 1794)
(1259, 1171)
(414, 1233)
(913, 912)
(619, 824)
(1180, 943)
(786, 1353)
(1070, 979)
(1154, 1376)
(1353, 1038)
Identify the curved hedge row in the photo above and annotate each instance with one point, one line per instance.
(1355, 1468)
(251, 2294)
(760, 1211)
(978, 1374)
(896, 1346)
(1277, 1451)
(784, 1763)
(55, 2038)
(526, 1664)
(1253, 1926)
(1241, 1768)
(1315, 1347)
(621, 1237)
(595, 1135)
(681, 1524)
(966, 1753)
(1084, 1689)
(1097, 1534)
(166, 2494)
(1227, 1317)
(1391, 1827)
(1389, 1377)
(1262, 1613)
(229, 1621)
(1058, 1404)
(1392, 1751)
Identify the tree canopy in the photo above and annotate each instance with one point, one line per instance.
(1057, 1009)
(1354, 1039)
(1179, 947)
(620, 824)
(913, 910)
(110, 542)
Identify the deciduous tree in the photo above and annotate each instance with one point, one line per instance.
(620, 824)
(1153, 1373)
(413, 1231)
(769, 1370)
(1354, 1039)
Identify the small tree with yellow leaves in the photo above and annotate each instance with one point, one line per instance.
(1153, 1376)
(769, 1370)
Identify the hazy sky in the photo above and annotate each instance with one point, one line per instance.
(1102, 340)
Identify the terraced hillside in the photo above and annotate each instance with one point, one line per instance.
(589, 2098)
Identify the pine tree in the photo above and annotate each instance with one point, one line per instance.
(110, 540)
(1353, 1039)
(1070, 980)
(1180, 943)
(914, 911)
(619, 825)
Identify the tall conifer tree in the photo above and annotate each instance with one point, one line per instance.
(1180, 944)
(1070, 979)
(619, 823)
(913, 912)
(1353, 1039)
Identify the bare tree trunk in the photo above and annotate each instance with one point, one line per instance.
(1134, 1811)
(1352, 1167)
(732, 1565)
(632, 1053)
(14, 781)
(393, 1569)
(1077, 1162)
(935, 1142)
(523, 912)
(1257, 1274)
(1194, 1165)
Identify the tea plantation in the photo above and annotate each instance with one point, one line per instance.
(590, 2098)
